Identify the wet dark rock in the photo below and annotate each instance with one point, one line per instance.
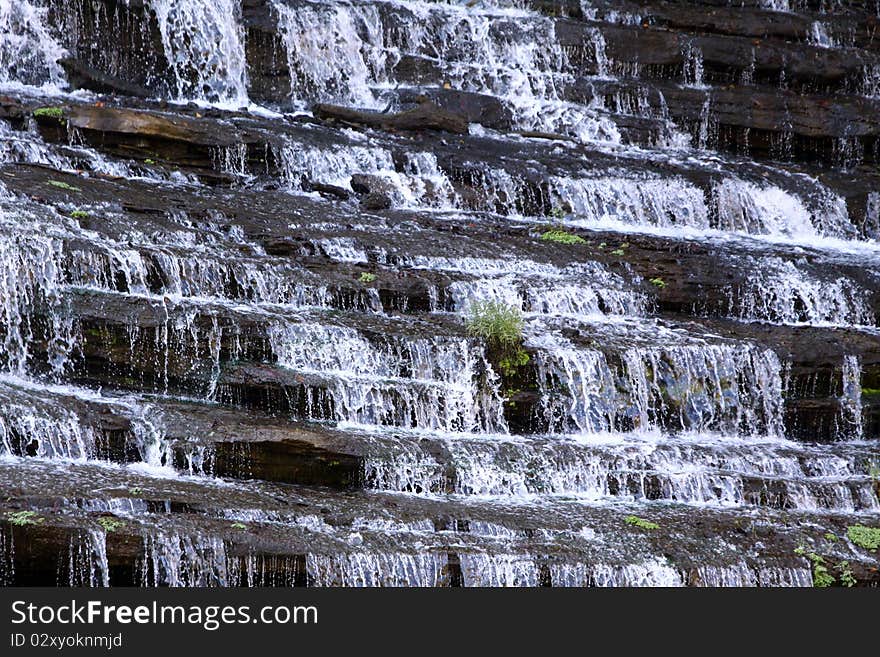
(663, 53)
(475, 108)
(330, 191)
(44, 550)
(425, 116)
(82, 76)
(376, 201)
(110, 120)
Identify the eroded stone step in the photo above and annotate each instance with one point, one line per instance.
(492, 175)
(510, 544)
(62, 422)
(368, 241)
(841, 24)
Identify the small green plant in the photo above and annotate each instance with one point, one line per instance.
(617, 252)
(239, 525)
(511, 363)
(658, 282)
(831, 537)
(24, 518)
(49, 113)
(110, 524)
(501, 326)
(871, 391)
(865, 537)
(135, 490)
(822, 577)
(562, 237)
(602, 245)
(641, 523)
(149, 161)
(509, 394)
(367, 277)
(846, 574)
(497, 323)
(557, 212)
(79, 214)
(63, 185)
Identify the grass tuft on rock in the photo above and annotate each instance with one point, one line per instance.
(498, 324)
(63, 185)
(501, 326)
(110, 524)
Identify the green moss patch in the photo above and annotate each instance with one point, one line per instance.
(641, 523)
(55, 113)
(562, 237)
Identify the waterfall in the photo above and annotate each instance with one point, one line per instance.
(350, 53)
(498, 570)
(334, 52)
(653, 573)
(28, 280)
(441, 389)
(779, 291)
(850, 415)
(36, 421)
(647, 201)
(583, 291)
(237, 331)
(29, 52)
(700, 387)
(746, 207)
(88, 560)
(819, 36)
(364, 569)
(693, 66)
(172, 559)
(204, 45)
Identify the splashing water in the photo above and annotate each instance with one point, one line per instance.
(333, 52)
(204, 46)
(701, 387)
(29, 53)
(386, 569)
(434, 384)
(350, 53)
(778, 291)
(849, 420)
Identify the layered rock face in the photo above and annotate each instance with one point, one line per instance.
(241, 240)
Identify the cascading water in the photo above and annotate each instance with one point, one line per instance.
(695, 387)
(420, 383)
(333, 52)
(204, 45)
(241, 339)
(29, 52)
(351, 52)
(779, 291)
